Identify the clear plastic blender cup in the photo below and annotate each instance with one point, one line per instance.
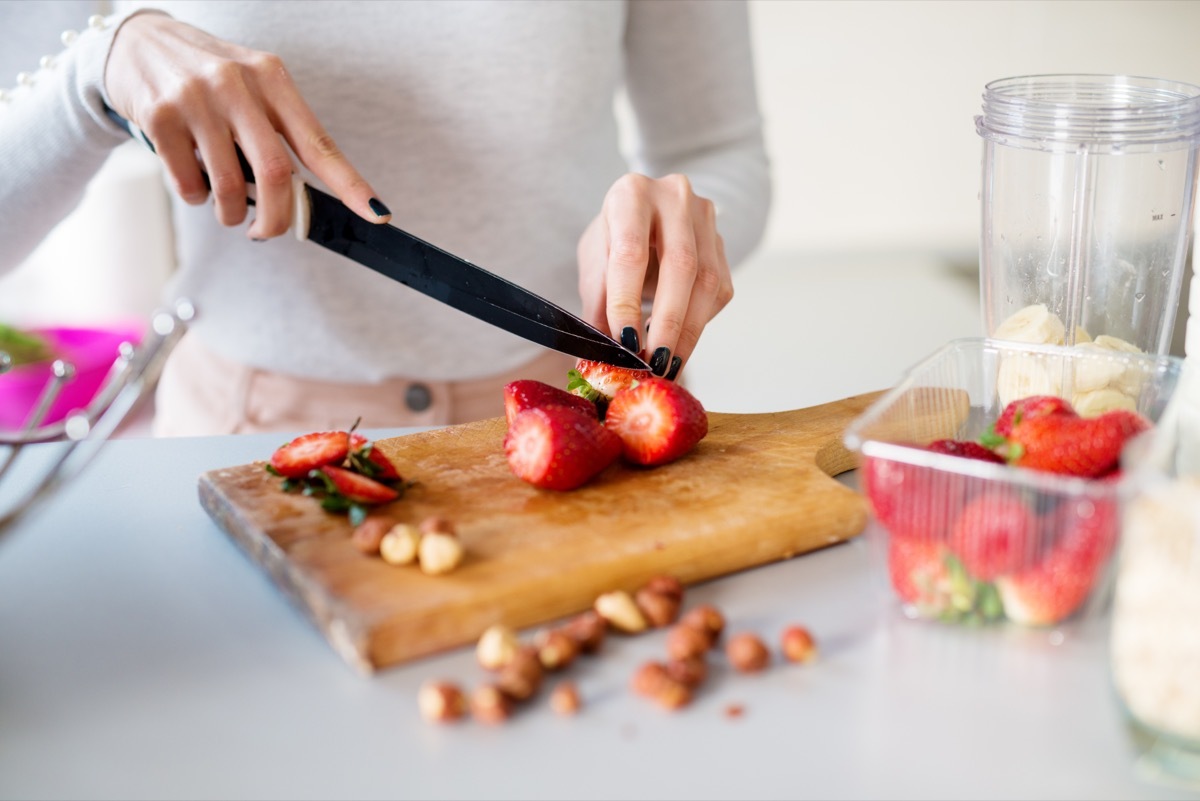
(1089, 183)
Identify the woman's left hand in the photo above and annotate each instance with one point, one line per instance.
(656, 240)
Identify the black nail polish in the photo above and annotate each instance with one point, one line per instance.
(629, 338)
(676, 363)
(378, 207)
(660, 360)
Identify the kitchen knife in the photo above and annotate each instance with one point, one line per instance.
(323, 219)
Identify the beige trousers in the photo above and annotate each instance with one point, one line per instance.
(201, 393)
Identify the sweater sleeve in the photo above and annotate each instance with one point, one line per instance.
(690, 80)
(54, 136)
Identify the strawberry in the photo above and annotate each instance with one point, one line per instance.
(599, 382)
(555, 447)
(995, 534)
(309, 452)
(528, 394)
(965, 449)
(657, 420)
(357, 488)
(1029, 408)
(1077, 446)
(1057, 586)
(917, 570)
(367, 459)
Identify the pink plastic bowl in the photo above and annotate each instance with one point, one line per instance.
(91, 350)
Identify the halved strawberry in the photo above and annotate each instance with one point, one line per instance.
(529, 394)
(555, 447)
(309, 452)
(657, 420)
(599, 382)
(1029, 408)
(1058, 586)
(996, 533)
(1077, 446)
(367, 459)
(358, 488)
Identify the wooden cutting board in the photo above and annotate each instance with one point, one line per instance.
(758, 488)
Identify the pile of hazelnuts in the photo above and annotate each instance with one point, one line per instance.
(517, 670)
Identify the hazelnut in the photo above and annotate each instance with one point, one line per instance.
(690, 672)
(489, 705)
(496, 647)
(564, 699)
(441, 701)
(522, 676)
(621, 612)
(747, 653)
(707, 618)
(399, 544)
(687, 642)
(437, 525)
(666, 585)
(658, 608)
(370, 532)
(672, 695)
(587, 630)
(648, 678)
(439, 552)
(797, 645)
(556, 650)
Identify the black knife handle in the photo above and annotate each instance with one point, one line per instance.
(137, 133)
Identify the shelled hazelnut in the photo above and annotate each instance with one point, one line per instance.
(587, 630)
(522, 676)
(747, 653)
(619, 609)
(439, 551)
(689, 672)
(706, 618)
(399, 545)
(496, 647)
(666, 585)
(686, 642)
(798, 645)
(490, 705)
(441, 701)
(653, 680)
(659, 608)
(564, 699)
(370, 533)
(555, 649)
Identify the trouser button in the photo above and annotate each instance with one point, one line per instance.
(418, 397)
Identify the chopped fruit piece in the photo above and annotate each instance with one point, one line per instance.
(996, 533)
(599, 382)
(1029, 408)
(1076, 446)
(558, 448)
(657, 420)
(309, 452)
(1057, 586)
(965, 449)
(358, 489)
(530, 394)
(367, 459)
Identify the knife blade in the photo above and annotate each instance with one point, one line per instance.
(321, 218)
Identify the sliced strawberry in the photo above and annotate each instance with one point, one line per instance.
(996, 533)
(1029, 408)
(600, 382)
(529, 394)
(1077, 446)
(965, 449)
(1057, 586)
(557, 448)
(309, 452)
(657, 420)
(358, 488)
(367, 459)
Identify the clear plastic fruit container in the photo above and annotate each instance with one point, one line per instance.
(973, 542)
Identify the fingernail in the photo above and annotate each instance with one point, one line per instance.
(660, 360)
(378, 207)
(676, 363)
(629, 338)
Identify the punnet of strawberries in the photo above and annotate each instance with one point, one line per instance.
(975, 547)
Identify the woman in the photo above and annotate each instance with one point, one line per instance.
(485, 128)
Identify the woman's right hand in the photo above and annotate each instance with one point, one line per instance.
(190, 92)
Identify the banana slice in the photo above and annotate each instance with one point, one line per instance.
(1034, 324)
(1096, 370)
(1021, 375)
(1099, 401)
(1131, 380)
(1082, 337)
(1115, 343)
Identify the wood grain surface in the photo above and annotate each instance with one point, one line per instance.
(758, 488)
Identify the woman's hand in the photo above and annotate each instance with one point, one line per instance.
(189, 91)
(654, 239)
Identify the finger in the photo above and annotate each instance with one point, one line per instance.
(174, 144)
(216, 146)
(629, 219)
(317, 150)
(712, 273)
(678, 267)
(272, 176)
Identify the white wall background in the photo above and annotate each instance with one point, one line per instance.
(869, 110)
